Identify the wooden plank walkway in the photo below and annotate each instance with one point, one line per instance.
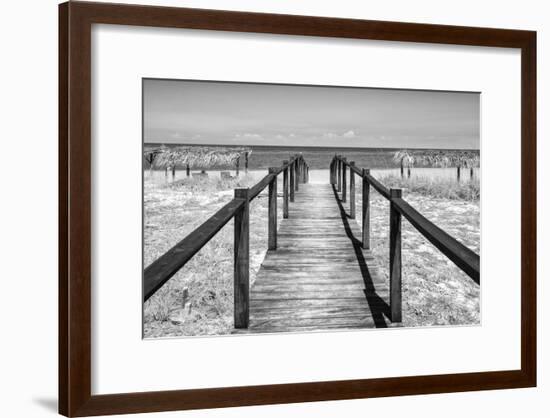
(318, 278)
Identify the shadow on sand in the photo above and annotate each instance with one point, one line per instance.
(378, 306)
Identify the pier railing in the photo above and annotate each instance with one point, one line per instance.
(462, 256)
(295, 171)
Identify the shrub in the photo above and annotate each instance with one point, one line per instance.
(435, 187)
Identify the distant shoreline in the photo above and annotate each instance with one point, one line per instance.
(299, 147)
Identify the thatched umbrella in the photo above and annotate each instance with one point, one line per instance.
(467, 159)
(150, 154)
(406, 159)
(199, 157)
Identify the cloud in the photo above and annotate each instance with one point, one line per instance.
(252, 136)
(332, 135)
(248, 135)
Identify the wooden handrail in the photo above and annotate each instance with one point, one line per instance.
(467, 260)
(458, 253)
(161, 270)
(379, 187)
(164, 268)
(260, 186)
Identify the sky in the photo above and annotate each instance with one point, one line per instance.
(205, 112)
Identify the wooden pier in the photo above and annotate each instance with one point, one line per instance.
(318, 277)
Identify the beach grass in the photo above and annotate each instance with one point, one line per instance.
(436, 187)
(198, 300)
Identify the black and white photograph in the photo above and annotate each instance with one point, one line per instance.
(271, 208)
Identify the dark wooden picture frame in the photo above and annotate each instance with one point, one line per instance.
(75, 25)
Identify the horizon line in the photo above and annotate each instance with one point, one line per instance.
(302, 146)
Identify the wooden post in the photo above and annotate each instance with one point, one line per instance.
(272, 213)
(351, 190)
(408, 172)
(402, 169)
(334, 164)
(292, 171)
(188, 170)
(344, 181)
(395, 259)
(307, 173)
(241, 310)
(339, 170)
(246, 162)
(471, 173)
(297, 177)
(458, 173)
(285, 190)
(366, 210)
(237, 166)
(150, 158)
(173, 171)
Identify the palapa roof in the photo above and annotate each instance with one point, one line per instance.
(468, 159)
(405, 157)
(438, 158)
(197, 156)
(150, 153)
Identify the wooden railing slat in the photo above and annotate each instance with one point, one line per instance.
(356, 169)
(161, 270)
(379, 187)
(260, 186)
(466, 259)
(458, 253)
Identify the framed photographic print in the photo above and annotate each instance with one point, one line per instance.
(253, 207)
